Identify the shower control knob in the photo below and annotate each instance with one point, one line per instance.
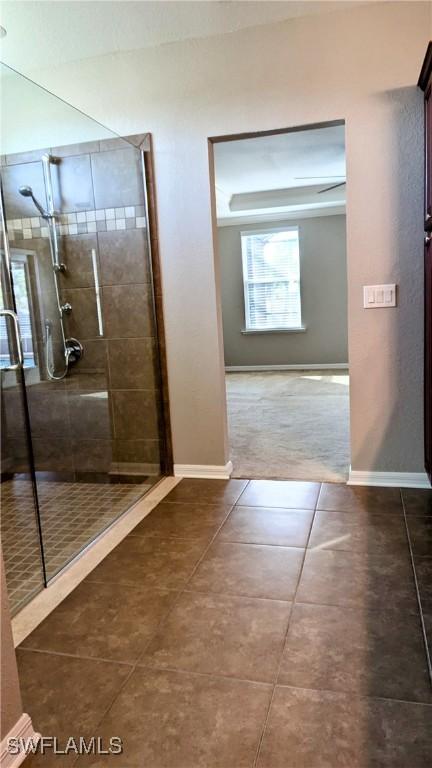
(74, 351)
(66, 308)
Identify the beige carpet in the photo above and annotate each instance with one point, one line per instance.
(289, 424)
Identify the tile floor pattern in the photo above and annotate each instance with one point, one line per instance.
(241, 624)
(72, 514)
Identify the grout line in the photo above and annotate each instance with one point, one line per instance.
(159, 625)
(257, 544)
(357, 695)
(85, 657)
(267, 684)
(280, 508)
(243, 596)
(366, 514)
(214, 676)
(240, 596)
(112, 701)
(247, 483)
(317, 506)
(352, 692)
(417, 589)
(187, 581)
(237, 503)
(271, 508)
(284, 641)
(344, 607)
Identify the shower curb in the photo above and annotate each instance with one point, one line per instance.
(65, 582)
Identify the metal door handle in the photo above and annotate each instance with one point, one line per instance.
(428, 239)
(14, 317)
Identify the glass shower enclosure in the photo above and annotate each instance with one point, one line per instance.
(84, 425)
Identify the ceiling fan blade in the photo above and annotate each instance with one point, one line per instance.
(334, 186)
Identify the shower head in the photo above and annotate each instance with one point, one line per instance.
(27, 191)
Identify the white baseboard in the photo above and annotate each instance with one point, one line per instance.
(389, 479)
(296, 367)
(208, 471)
(23, 731)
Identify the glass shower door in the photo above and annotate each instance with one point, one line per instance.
(76, 209)
(20, 523)
(95, 423)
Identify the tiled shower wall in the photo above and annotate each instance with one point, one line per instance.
(103, 418)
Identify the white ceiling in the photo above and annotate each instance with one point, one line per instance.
(45, 33)
(264, 177)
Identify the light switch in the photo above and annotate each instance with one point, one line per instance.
(375, 296)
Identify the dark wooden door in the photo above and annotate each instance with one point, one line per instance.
(428, 158)
(425, 83)
(428, 358)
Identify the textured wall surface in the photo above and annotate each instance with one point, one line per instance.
(360, 65)
(323, 278)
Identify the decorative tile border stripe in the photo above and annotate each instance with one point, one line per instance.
(79, 222)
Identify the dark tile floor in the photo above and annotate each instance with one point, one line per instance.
(262, 623)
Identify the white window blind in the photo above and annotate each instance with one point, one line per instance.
(271, 277)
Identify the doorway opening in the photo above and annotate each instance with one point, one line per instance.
(281, 241)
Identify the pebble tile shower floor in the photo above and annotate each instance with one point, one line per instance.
(247, 623)
(72, 514)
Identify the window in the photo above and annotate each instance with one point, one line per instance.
(20, 278)
(271, 277)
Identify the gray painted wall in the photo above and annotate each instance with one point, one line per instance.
(323, 275)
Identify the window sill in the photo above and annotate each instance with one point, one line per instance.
(248, 331)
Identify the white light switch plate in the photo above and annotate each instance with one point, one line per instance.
(375, 296)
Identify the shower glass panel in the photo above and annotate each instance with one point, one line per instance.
(80, 261)
(20, 530)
